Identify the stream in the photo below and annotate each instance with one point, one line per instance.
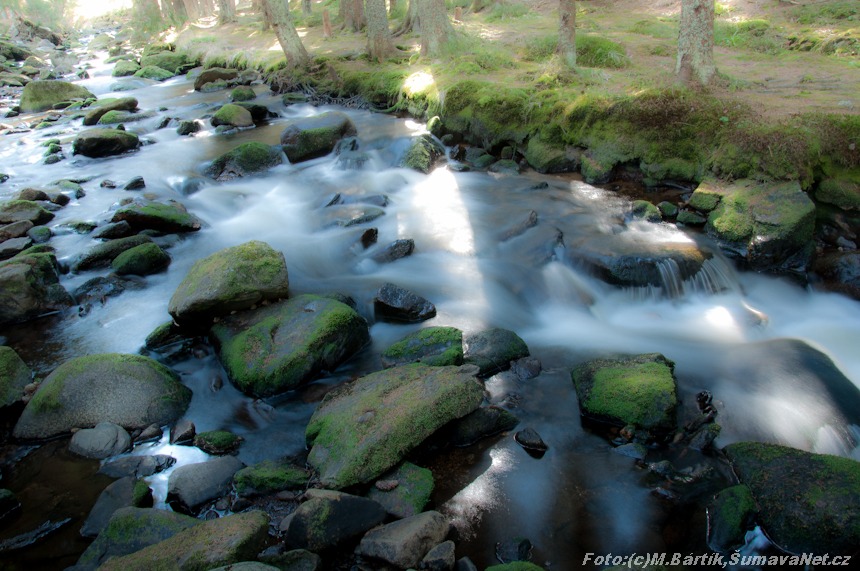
(736, 334)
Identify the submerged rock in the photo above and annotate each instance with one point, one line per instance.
(97, 143)
(137, 466)
(434, 346)
(14, 376)
(316, 136)
(639, 390)
(329, 518)
(43, 95)
(394, 251)
(493, 350)
(287, 344)
(246, 159)
(413, 490)
(404, 543)
(129, 390)
(364, 428)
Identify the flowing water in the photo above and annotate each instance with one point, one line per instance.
(735, 334)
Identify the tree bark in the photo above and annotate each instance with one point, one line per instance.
(436, 29)
(567, 32)
(180, 14)
(392, 6)
(326, 24)
(379, 44)
(226, 12)
(354, 18)
(306, 8)
(267, 18)
(695, 61)
(286, 32)
(207, 8)
(191, 9)
(147, 14)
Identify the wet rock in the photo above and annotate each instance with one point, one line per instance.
(247, 566)
(24, 210)
(244, 160)
(315, 136)
(232, 279)
(690, 218)
(153, 72)
(597, 167)
(42, 95)
(483, 422)
(440, 558)
(166, 60)
(141, 260)
(484, 162)
(493, 350)
(399, 304)
(841, 191)
(394, 251)
(15, 246)
(221, 541)
(434, 346)
(129, 390)
(214, 74)
(465, 564)
(124, 68)
(529, 439)
(282, 346)
(769, 225)
(841, 272)
(98, 289)
(404, 543)
(526, 368)
(348, 215)
(97, 143)
(187, 128)
(705, 436)
(217, 442)
(269, 477)
(242, 93)
(130, 530)
(808, 503)
(9, 504)
(149, 434)
(232, 115)
(512, 550)
(192, 485)
(15, 229)
(168, 218)
(531, 220)
(124, 493)
(137, 466)
(632, 450)
(644, 210)
(120, 117)
(97, 111)
(182, 432)
(414, 485)
(705, 198)
(422, 154)
(135, 183)
(730, 515)
(546, 158)
(358, 433)
(14, 376)
(505, 168)
(329, 518)
(295, 560)
(105, 440)
(103, 254)
(32, 194)
(30, 284)
(639, 390)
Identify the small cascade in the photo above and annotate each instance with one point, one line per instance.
(715, 276)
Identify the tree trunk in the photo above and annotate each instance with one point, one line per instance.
(695, 62)
(392, 6)
(180, 15)
(226, 12)
(354, 19)
(191, 9)
(286, 32)
(477, 6)
(379, 44)
(207, 8)
(567, 32)
(326, 25)
(267, 17)
(147, 14)
(436, 29)
(306, 8)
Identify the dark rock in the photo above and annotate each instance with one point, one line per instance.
(14, 376)
(394, 251)
(182, 432)
(9, 504)
(405, 542)
(399, 304)
(348, 215)
(705, 436)
(30, 283)
(214, 74)
(329, 518)
(483, 422)
(113, 231)
(840, 272)
(17, 210)
(465, 564)
(193, 485)
(690, 218)
(410, 495)
(516, 549)
(530, 440)
(168, 218)
(141, 260)
(597, 168)
(435, 346)
(15, 229)
(98, 289)
(493, 350)
(15, 246)
(103, 254)
(124, 493)
(632, 450)
(730, 515)
(108, 184)
(295, 560)
(546, 158)
(98, 111)
(440, 558)
(148, 434)
(136, 183)
(258, 112)
(315, 136)
(270, 476)
(137, 466)
(422, 154)
(505, 168)
(187, 128)
(644, 210)
(217, 442)
(526, 368)
(105, 440)
(97, 143)
(244, 160)
(369, 237)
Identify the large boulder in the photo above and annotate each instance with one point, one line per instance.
(767, 225)
(316, 136)
(96, 143)
(270, 477)
(168, 218)
(153, 72)
(435, 346)
(123, 104)
(282, 346)
(192, 485)
(212, 75)
(130, 530)
(14, 52)
(492, 350)
(31, 287)
(639, 390)
(166, 60)
(14, 376)
(232, 279)
(244, 160)
(364, 428)
(124, 68)
(129, 390)
(214, 543)
(329, 518)
(807, 503)
(232, 116)
(24, 210)
(106, 439)
(43, 95)
(124, 493)
(405, 542)
(414, 485)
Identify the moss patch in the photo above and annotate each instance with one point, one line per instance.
(435, 346)
(269, 477)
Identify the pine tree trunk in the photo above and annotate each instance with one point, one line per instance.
(226, 12)
(436, 29)
(392, 6)
(477, 6)
(695, 62)
(286, 32)
(179, 13)
(326, 24)
(207, 8)
(567, 32)
(379, 44)
(306, 7)
(354, 19)
(147, 14)
(191, 9)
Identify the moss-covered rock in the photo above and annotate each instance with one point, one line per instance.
(258, 112)
(639, 390)
(315, 136)
(244, 160)
(125, 492)
(212, 75)
(364, 428)
(414, 487)
(17, 210)
(125, 68)
(270, 476)
(841, 192)
(166, 60)
(141, 260)
(232, 279)
(546, 158)
(730, 515)
(294, 560)
(808, 503)
(14, 376)
(668, 209)
(422, 154)
(104, 254)
(329, 518)
(644, 210)
(598, 167)
(129, 390)
(153, 72)
(14, 52)
(706, 197)
(282, 346)
(214, 543)
(243, 93)
(769, 225)
(217, 442)
(434, 346)
(43, 95)
(232, 115)
(691, 218)
(104, 142)
(168, 218)
(115, 117)
(30, 285)
(492, 350)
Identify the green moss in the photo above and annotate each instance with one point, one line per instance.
(736, 507)
(840, 192)
(242, 93)
(422, 154)
(141, 495)
(247, 158)
(141, 260)
(434, 346)
(153, 72)
(270, 476)
(217, 439)
(233, 115)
